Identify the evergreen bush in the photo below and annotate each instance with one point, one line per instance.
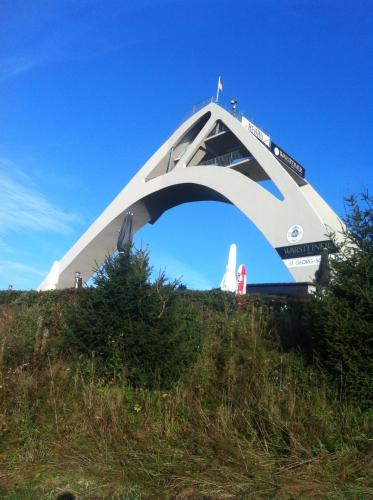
(134, 326)
(342, 324)
(334, 327)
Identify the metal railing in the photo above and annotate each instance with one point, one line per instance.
(227, 159)
(234, 112)
(202, 104)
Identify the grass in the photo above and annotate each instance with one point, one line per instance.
(246, 420)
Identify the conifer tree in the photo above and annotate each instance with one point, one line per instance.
(134, 327)
(342, 315)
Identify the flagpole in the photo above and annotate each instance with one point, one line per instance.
(217, 91)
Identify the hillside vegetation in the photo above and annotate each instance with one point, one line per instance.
(135, 390)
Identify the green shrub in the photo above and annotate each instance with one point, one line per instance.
(335, 326)
(138, 329)
(343, 312)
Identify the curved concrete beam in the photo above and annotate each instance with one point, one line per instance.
(159, 185)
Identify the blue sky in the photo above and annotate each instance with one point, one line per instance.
(79, 80)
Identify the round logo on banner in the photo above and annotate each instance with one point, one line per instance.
(276, 151)
(295, 234)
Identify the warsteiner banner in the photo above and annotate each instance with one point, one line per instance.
(306, 249)
(287, 160)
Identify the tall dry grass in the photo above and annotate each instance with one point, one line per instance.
(246, 420)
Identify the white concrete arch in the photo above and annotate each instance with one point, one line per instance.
(184, 169)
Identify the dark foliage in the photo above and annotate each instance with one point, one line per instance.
(335, 326)
(136, 327)
(343, 312)
(9, 296)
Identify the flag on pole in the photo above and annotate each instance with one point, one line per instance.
(219, 89)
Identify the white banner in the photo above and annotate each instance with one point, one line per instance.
(313, 260)
(259, 134)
